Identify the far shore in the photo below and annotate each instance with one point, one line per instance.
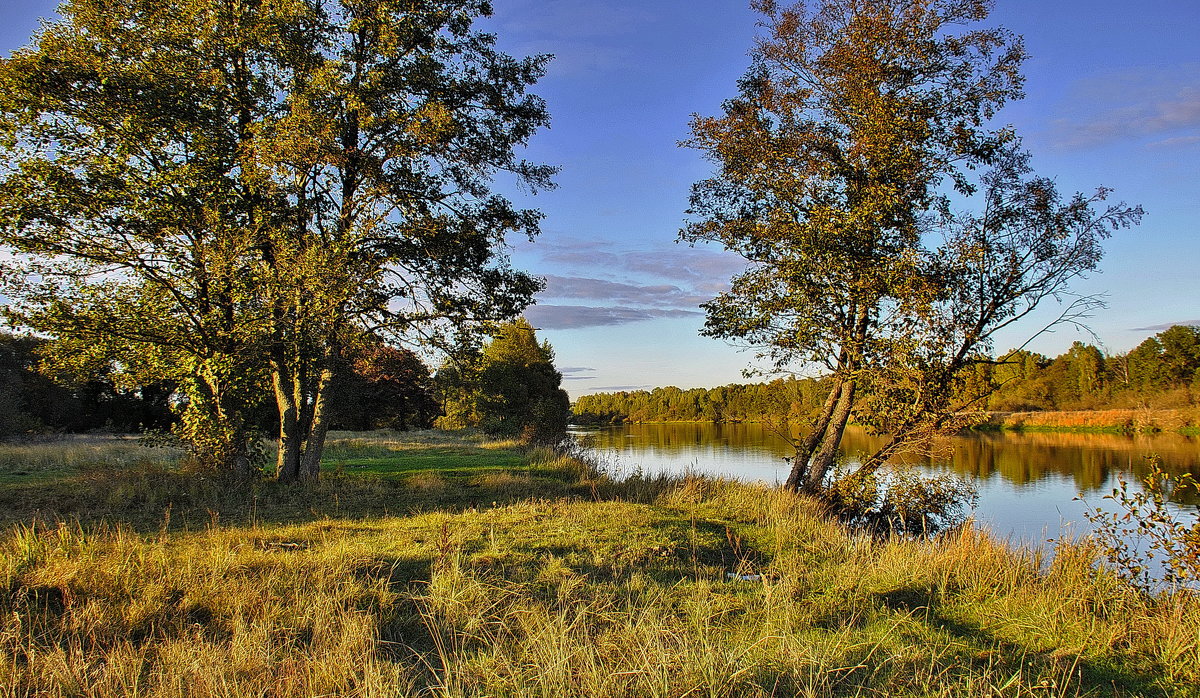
(1184, 421)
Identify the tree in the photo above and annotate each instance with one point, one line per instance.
(1180, 354)
(231, 195)
(510, 389)
(519, 387)
(29, 402)
(32, 401)
(122, 129)
(856, 128)
(397, 121)
(387, 388)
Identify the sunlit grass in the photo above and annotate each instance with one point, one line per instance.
(546, 580)
(1114, 421)
(65, 456)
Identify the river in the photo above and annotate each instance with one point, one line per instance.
(1033, 487)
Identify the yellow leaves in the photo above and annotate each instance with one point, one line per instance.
(431, 123)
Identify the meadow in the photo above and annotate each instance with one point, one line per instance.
(1115, 421)
(434, 564)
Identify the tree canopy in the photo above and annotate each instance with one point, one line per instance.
(1085, 377)
(232, 196)
(845, 173)
(510, 388)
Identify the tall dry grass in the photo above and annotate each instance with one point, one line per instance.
(1119, 420)
(651, 587)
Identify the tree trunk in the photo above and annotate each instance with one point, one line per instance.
(821, 463)
(287, 463)
(314, 444)
(805, 448)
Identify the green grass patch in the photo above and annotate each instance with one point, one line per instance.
(451, 462)
(446, 566)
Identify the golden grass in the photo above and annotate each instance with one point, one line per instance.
(1125, 420)
(654, 587)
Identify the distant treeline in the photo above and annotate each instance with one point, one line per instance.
(728, 403)
(382, 386)
(1161, 372)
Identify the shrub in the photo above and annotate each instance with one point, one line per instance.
(1144, 527)
(902, 502)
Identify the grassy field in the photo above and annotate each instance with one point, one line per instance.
(436, 565)
(1114, 421)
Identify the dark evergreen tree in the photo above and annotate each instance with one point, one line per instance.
(519, 391)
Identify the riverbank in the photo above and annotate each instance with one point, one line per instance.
(1120, 421)
(1184, 421)
(432, 564)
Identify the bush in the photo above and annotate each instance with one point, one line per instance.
(902, 502)
(1145, 527)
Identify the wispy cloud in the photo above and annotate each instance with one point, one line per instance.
(704, 269)
(622, 284)
(585, 37)
(1132, 104)
(1177, 142)
(611, 388)
(568, 372)
(1166, 326)
(567, 317)
(657, 295)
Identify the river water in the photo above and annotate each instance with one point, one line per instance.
(1033, 487)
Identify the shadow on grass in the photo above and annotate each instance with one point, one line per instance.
(988, 653)
(153, 497)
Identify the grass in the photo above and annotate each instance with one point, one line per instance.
(1113, 421)
(515, 572)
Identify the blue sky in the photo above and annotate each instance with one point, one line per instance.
(1113, 99)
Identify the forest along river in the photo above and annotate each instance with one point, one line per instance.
(1028, 483)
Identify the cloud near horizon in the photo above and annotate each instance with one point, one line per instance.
(707, 270)
(567, 372)
(571, 317)
(1166, 326)
(1133, 104)
(657, 295)
(665, 281)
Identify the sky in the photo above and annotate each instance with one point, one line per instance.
(1113, 99)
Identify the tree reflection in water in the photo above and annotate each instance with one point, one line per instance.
(1027, 481)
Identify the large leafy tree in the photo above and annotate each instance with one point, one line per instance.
(857, 126)
(232, 194)
(124, 129)
(386, 388)
(508, 388)
(398, 120)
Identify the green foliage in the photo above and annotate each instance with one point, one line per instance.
(1082, 378)
(833, 171)
(386, 388)
(511, 390)
(1145, 530)
(454, 386)
(32, 401)
(902, 502)
(1160, 372)
(791, 397)
(224, 195)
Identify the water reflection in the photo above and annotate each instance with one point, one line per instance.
(1027, 482)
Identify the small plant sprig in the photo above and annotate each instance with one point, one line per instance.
(1144, 527)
